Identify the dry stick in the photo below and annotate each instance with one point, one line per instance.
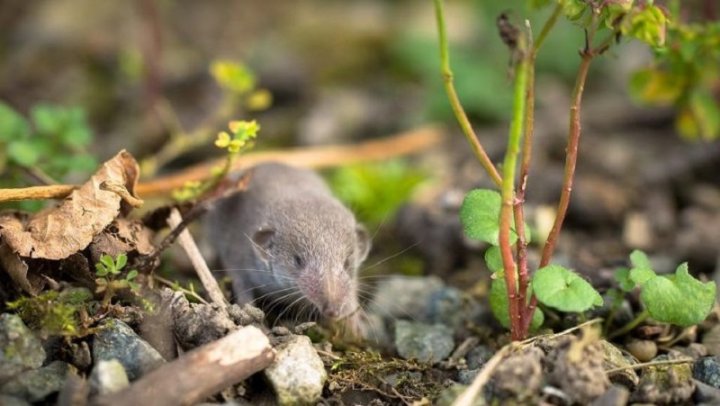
(405, 143)
(199, 373)
(650, 364)
(458, 110)
(467, 398)
(188, 244)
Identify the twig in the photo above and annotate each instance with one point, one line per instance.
(188, 244)
(176, 286)
(467, 398)
(460, 114)
(199, 373)
(650, 364)
(405, 143)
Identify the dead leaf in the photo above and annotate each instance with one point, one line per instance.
(61, 231)
(122, 235)
(17, 269)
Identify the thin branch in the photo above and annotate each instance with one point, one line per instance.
(650, 364)
(458, 110)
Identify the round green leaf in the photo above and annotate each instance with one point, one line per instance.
(12, 125)
(678, 299)
(639, 259)
(493, 259)
(480, 216)
(622, 276)
(564, 290)
(500, 306)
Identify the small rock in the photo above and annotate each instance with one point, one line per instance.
(518, 377)
(643, 350)
(449, 395)
(665, 384)
(80, 355)
(424, 342)
(297, 374)
(20, 350)
(245, 315)
(108, 376)
(706, 394)
(694, 351)
(35, 385)
(707, 370)
(577, 369)
(116, 340)
(404, 297)
(637, 230)
(617, 395)
(198, 324)
(613, 358)
(478, 356)
(466, 376)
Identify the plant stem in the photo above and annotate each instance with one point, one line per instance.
(458, 110)
(517, 301)
(571, 154)
(630, 326)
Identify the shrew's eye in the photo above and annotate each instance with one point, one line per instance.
(299, 262)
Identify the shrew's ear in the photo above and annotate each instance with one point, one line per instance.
(363, 243)
(262, 242)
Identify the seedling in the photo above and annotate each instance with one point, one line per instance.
(108, 282)
(498, 218)
(677, 299)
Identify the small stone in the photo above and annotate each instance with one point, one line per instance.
(478, 356)
(423, 342)
(518, 377)
(706, 394)
(198, 324)
(116, 340)
(617, 395)
(297, 375)
(80, 355)
(665, 384)
(405, 297)
(613, 358)
(108, 376)
(707, 370)
(637, 230)
(643, 350)
(35, 385)
(20, 350)
(577, 369)
(280, 331)
(466, 376)
(245, 315)
(694, 351)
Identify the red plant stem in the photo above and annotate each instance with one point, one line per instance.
(571, 154)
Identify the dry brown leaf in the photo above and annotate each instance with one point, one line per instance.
(122, 235)
(61, 231)
(17, 269)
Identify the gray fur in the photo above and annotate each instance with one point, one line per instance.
(288, 231)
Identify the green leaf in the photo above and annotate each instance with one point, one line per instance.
(131, 275)
(48, 119)
(706, 113)
(12, 125)
(639, 259)
(120, 261)
(23, 152)
(500, 306)
(480, 216)
(622, 276)
(647, 25)
(233, 76)
(657, 87)
(493, 259)
(678, 299)
(562, 289)
(101, 270)
(573, 9)
(107, 260)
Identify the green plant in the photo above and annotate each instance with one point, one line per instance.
(498, 218)
(676, 299)
(108, 270)
(375, 191)
(54, 140)
(53, 312)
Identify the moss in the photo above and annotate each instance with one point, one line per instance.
(54, 313)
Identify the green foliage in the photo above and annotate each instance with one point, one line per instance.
(622, 276)
(53, 141)
(493, 259)
(499, 304)
(53, 312)
(480, 216)
(108, 270)
(233, 76)
(562, 289)
(676, 299)
(683, 74)
(375, 191)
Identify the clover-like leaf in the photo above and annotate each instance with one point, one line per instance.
(12, 125)
(480, 216)
(493, 259)
(24, 152)
(648, 25)
(641, 271)
(562, 289)
(499, 305)
(678, 299)
(622, 276)
(120, 261)
(131, 275)
(639, 259)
